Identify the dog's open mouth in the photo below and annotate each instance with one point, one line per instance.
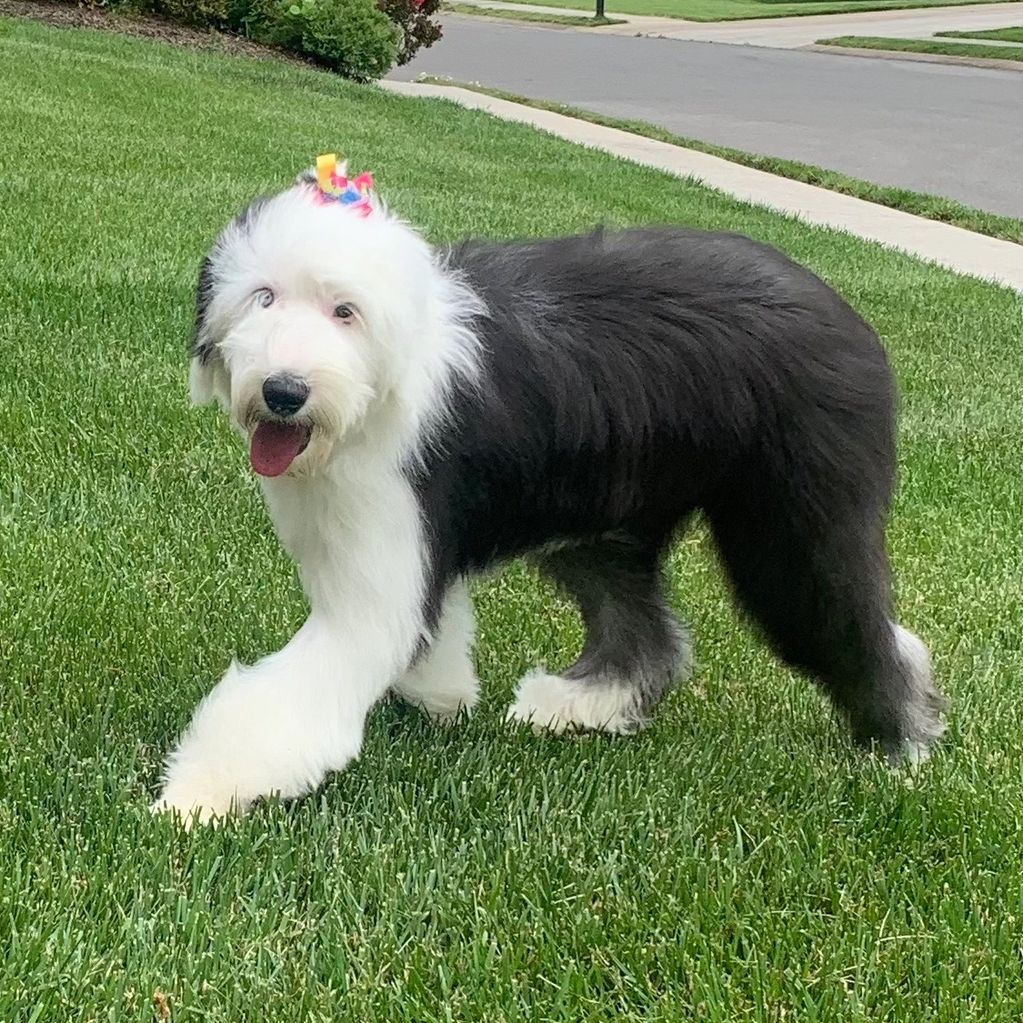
(275, 445)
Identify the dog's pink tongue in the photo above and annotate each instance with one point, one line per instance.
(275, 446)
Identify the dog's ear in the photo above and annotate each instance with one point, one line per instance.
(207, 375)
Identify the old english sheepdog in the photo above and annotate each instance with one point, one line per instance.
(416, 416)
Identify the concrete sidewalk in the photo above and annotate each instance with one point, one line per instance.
(963, 251)
(792, 32)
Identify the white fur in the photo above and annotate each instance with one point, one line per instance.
(443, 683)
(554, 704)
(912, 648)
(344, 510)
(916, 655)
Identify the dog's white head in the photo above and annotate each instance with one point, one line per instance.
(314, 321)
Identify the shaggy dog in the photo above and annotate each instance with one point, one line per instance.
(417, 416)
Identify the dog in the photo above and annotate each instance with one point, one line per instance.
(417, 416)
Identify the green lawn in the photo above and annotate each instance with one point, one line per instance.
(1005, 35)
(725, 10)
(937, 46)
(738, 861)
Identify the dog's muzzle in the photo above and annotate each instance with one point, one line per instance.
(276, 442)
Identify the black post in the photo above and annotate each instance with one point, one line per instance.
(600, 9)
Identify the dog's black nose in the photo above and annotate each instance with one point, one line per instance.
(284, 395)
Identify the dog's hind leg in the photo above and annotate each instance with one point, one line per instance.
(443, 682)
(634, 652)
(821, 593)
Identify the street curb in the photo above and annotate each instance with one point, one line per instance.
(955, 248)
(996, 63)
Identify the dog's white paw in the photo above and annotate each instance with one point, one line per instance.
(445, 699)
(550, 703)
(441, 712)
(449, 714)
(197, 800)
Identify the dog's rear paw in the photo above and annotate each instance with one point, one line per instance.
(918, 722)
(922, 728)
(550, 703)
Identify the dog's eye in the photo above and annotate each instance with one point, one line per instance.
(344, 311)
(264, 297)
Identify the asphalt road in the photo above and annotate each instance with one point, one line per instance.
(952, 131)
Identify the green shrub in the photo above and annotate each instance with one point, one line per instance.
(352, 37)
(360, 39)
(255, 17)
(200, 13)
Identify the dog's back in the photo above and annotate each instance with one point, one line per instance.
(655, 370)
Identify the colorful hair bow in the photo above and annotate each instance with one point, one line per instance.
(335, 187)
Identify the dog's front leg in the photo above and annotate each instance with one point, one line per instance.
(276, 727)
(279, 726)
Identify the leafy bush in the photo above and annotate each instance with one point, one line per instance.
(361, 39)
(257, 19)
(353, 37)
